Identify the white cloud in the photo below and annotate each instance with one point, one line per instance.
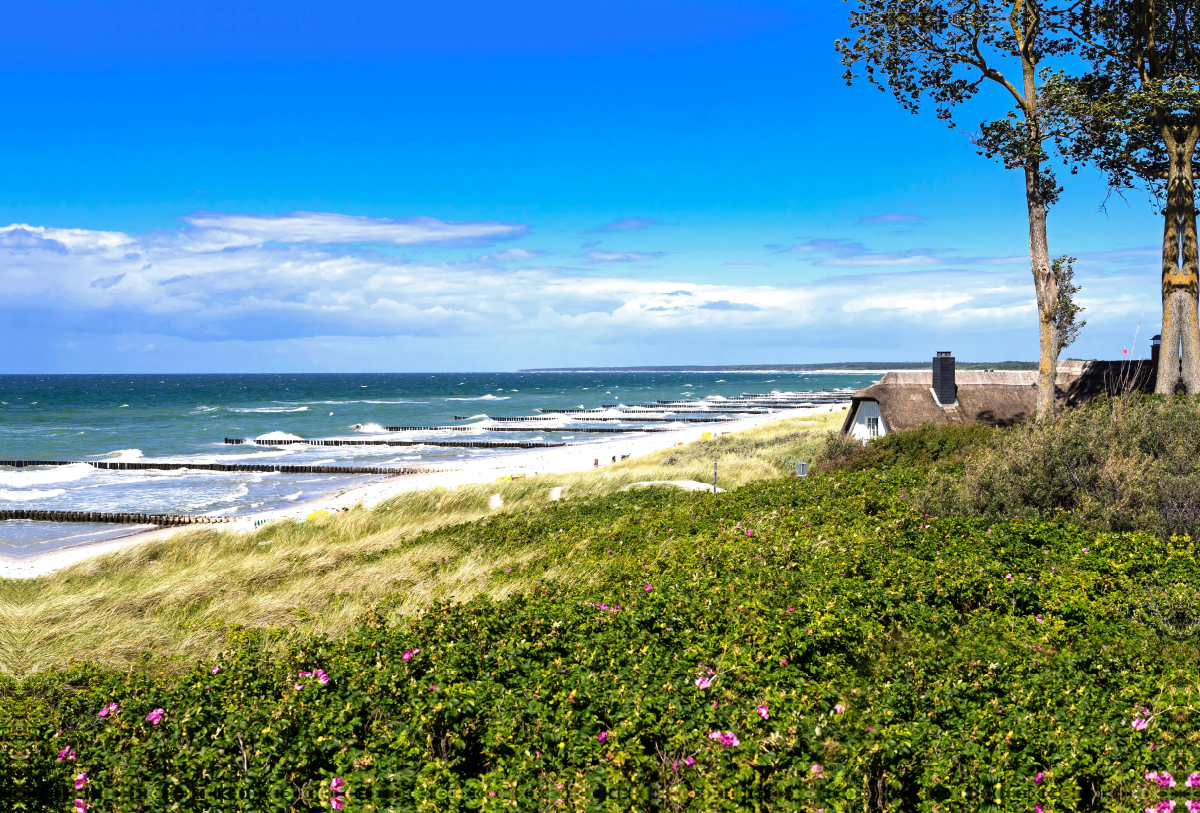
(160, 285)
(217, 230)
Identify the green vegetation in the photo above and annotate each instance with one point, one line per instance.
(178, 596)
(795, 644)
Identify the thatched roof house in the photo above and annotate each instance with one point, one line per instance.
(905, 400)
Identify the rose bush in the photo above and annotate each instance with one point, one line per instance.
(850, 654)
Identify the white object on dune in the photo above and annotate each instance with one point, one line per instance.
(556, 493)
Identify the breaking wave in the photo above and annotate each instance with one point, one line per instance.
(488, 397)
(30, 495)
(268, 409)
(279, 436)
(25, 478)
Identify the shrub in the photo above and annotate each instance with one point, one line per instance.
(1118, 464)
(914, 448)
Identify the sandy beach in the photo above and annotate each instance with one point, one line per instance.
(484, 470)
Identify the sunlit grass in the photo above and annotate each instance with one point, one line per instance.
(176, 596)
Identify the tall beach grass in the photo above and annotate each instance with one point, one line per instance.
(178, 597)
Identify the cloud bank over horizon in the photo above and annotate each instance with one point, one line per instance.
(336, 280)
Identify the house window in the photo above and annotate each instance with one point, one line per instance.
(873, 427)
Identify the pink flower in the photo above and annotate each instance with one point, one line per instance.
(216, 669)
(1193, 780)
(749, 533)
(1008, 577)
(1165, 806)
(791, 609)
(408, 654)
(304, 674)
(65, 754)
(728, 738)
(1193, 806)
(702, 682)
(1139, 725)
(762, 712)
(1085, 550)
(111, 708)
(80, 806)
(338, 785)
(689, 761)
(155, 717)
(299, 686)
(839, 709)
(602, 736)
(817, 771)
(649, 587)
(1037, 808)
(433, 688)
(80, 780)
(1041, 620)
(322, 678)
(1037, 778)
(1053, 569)
(337, 802)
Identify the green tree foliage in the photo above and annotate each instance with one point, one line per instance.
(1066, 315)
(1136, 116)
(946, 51)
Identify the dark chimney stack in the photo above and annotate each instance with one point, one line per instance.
(1155, 345)
(944, 388)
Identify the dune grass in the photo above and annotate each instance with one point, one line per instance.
(179, 597)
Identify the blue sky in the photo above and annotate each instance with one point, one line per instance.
(390, 186)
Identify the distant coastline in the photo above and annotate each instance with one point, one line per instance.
(835, 367)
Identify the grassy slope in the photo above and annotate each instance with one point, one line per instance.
(178, 595)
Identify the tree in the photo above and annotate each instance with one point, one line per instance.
(1066, 313)
(1138, 113)
(946, 51)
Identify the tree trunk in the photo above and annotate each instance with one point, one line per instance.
(1180, 272)
(1046, 287)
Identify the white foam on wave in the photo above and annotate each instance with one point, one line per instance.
(268, 409)
(29, 477)
(279, 436)
(203, 408)
(13, 496)
(370, 428)
(292, 497)
(488, 397)
(125, 455)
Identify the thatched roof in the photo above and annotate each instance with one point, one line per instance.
(1000, 398)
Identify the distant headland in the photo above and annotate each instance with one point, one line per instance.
(833, 367)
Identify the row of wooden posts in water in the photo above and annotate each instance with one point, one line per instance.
(115, 465)
(119, 517)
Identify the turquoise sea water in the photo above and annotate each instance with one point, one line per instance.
(185, 418)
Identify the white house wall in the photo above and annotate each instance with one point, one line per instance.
(860, 428)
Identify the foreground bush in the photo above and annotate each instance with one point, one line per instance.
(798, 645)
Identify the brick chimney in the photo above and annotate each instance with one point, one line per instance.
(944, 388)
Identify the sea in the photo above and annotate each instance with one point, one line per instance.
(187, 419)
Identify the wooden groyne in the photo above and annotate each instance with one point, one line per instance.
(452, 444)
(544, 429)
(110, 516)
(113, 465)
